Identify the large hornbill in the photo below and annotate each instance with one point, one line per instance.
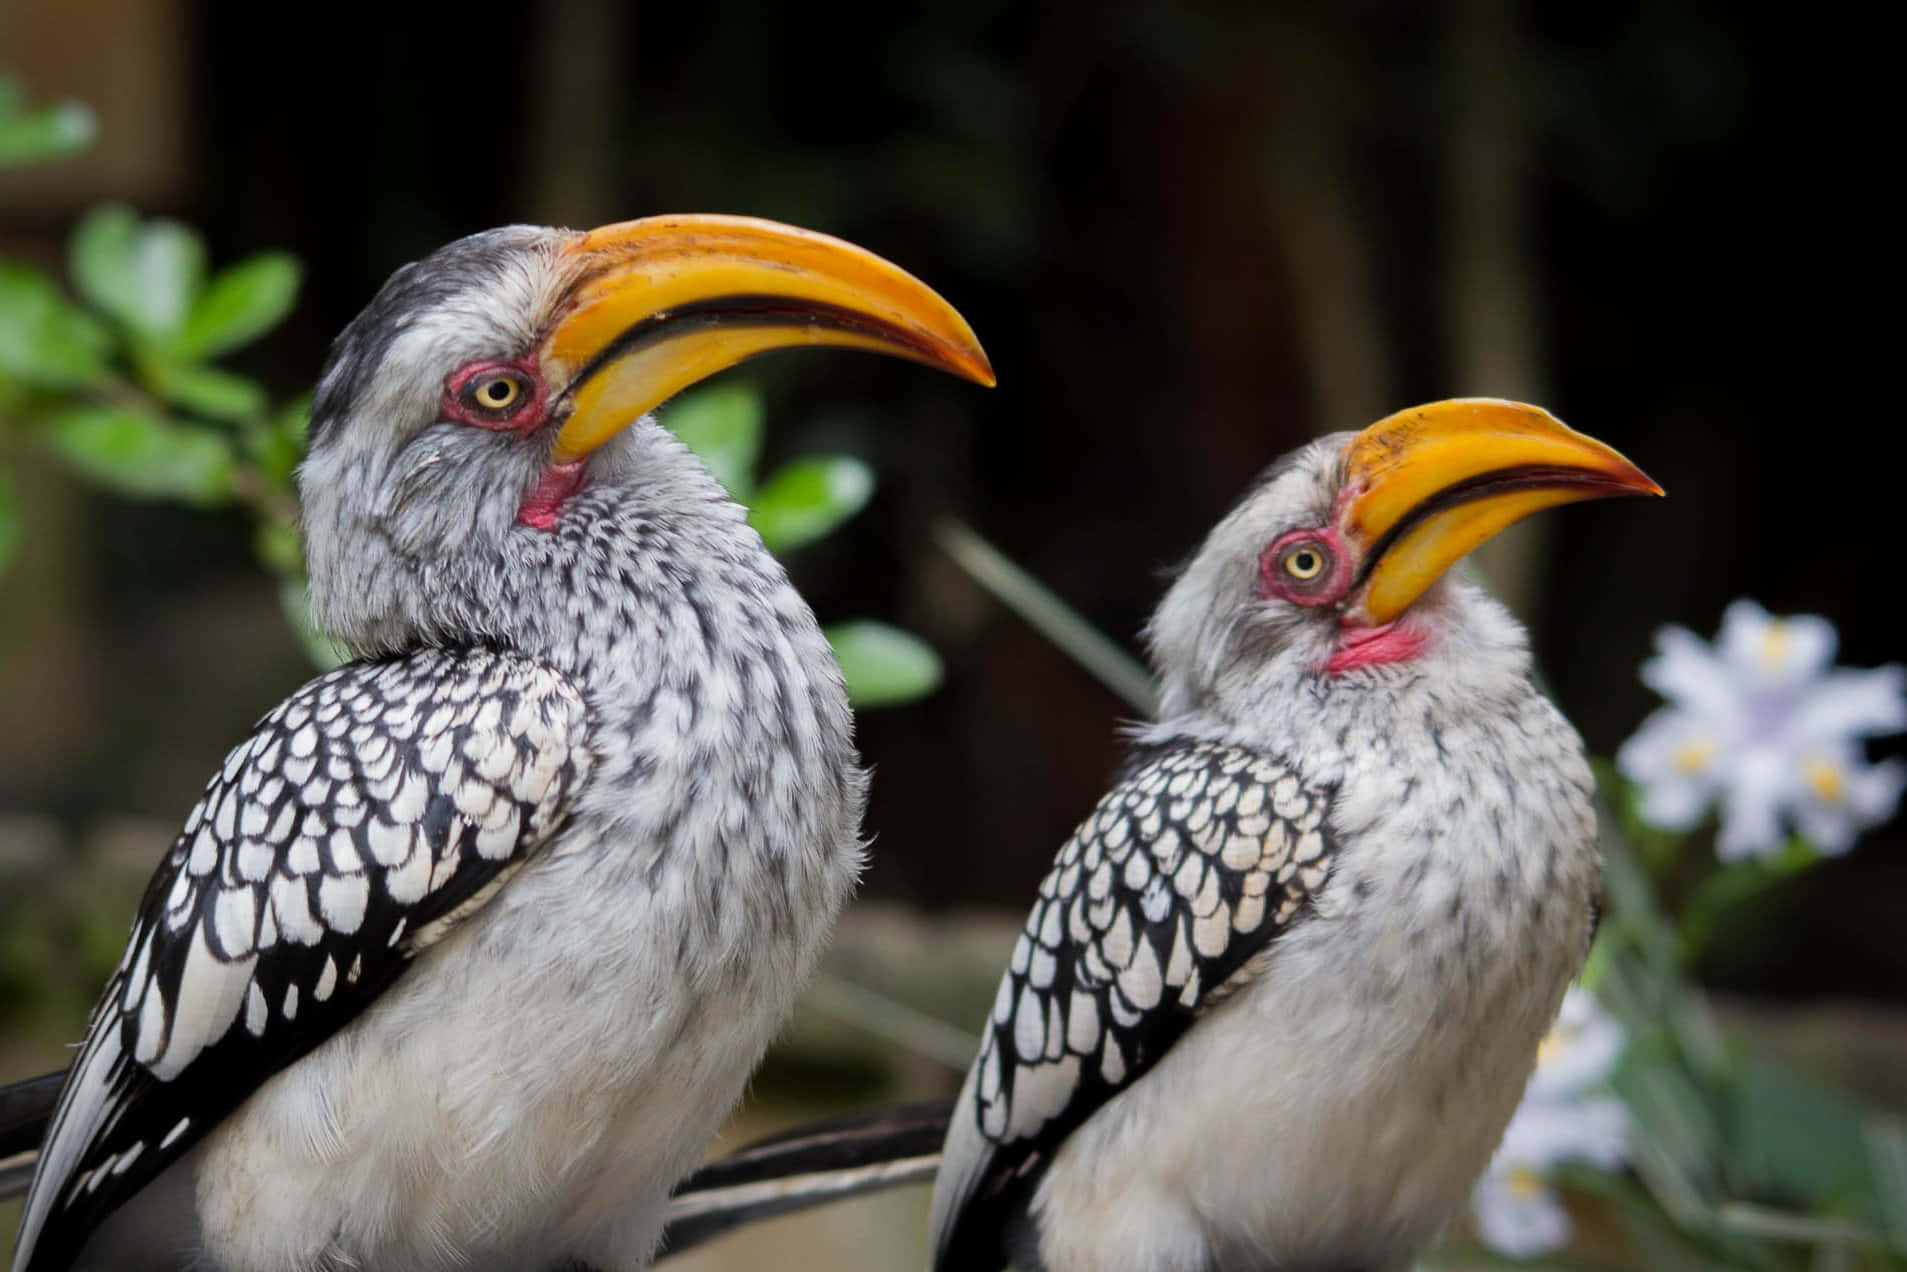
(471, 945)
(1283, 987)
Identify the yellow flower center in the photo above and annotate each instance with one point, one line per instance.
(1774, 645)
(1825, 779)
(1693, 756)
(1523, 1183)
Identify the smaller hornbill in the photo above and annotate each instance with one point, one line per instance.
(468, 949)
(1283, 987)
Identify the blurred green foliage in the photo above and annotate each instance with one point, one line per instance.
(32, 135)
(120, 385)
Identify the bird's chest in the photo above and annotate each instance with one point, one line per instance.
(1411, 1004)
(1336, 1110)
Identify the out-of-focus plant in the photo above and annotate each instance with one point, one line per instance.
(34, 134)
(1761, 725)
(122, 386)
(1709, 1156)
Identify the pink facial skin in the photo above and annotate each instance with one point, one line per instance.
(1358, 645)
(553, 489)
(1394, 642)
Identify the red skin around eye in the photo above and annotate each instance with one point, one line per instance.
(1327, 589)
(528, 414)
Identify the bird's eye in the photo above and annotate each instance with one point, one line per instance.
(495, 393)
(1305, 561)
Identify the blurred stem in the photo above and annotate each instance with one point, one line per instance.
(895, 1021)
(1047, 614)
(1769, 1224)
(1730, 886)
(1476, 1256)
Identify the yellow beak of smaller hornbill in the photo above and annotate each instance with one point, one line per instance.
(1426, 485)
(663, 302)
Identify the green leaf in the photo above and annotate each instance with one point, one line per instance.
(9, 521)
(51, 132)
(275, 446)
(146, 276)
(322, 650)
(144, 455)
(884, 665)
(1795, 1139)
(241, 304)
(45, 340)
(722, 424)
(809, 498)
(207, 391)
(280, 548)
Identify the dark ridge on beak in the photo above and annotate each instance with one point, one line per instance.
(1504, 481)
(757, 311)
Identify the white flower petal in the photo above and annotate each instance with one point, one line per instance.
(1844, 797)
(1602, 1133)
(1580, 1051)
(1752, 803)
(1544, 1133)
(1774, 652)
(1679, 761)
(1687, 672)
(1670, 804)
(1518, 1217)
(1851, 704)
(1874, 790)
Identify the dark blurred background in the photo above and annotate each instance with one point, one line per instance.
(1190, 236)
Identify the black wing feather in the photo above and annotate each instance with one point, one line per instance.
(1189, 868)
(368, 812)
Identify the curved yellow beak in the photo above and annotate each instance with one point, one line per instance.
(665, 301)
(1429, 484)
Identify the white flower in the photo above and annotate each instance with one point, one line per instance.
(1564, 1117)
(1760, 724)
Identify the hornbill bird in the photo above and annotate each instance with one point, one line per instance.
(471, 945)
(1283, 987)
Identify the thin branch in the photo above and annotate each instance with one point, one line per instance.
(895, 1021)
(1053, 618)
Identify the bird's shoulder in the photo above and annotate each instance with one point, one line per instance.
(361, 819)
(1191, 865)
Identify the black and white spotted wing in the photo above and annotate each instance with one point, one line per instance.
(1193, 863)
(367, 814)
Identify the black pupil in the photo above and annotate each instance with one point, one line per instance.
(498, 391)
(1305, 562)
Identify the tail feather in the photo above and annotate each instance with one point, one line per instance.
(810, 1166)
(25, 1109)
